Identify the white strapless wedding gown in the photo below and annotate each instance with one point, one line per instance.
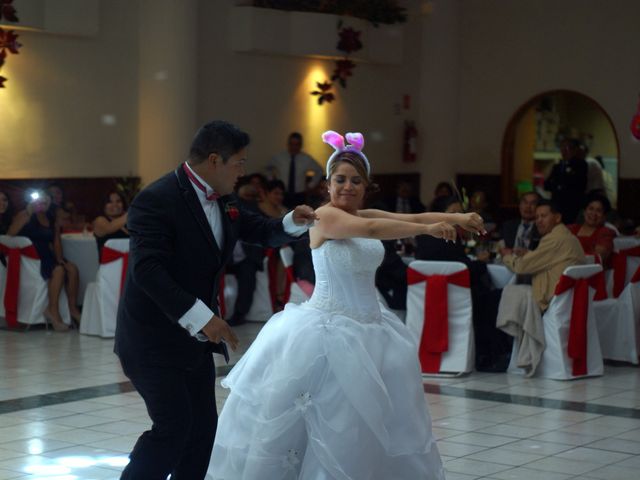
(330, 389)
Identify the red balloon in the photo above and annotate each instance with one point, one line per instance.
(635, 124)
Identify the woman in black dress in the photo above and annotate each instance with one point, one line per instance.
(113, 223)
(38, 223)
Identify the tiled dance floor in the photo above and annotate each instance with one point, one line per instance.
(67, 413)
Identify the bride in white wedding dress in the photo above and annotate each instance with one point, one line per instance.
(331, 389)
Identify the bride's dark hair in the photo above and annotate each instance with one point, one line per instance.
(356, 162)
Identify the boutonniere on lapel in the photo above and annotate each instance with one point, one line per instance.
(232, 210)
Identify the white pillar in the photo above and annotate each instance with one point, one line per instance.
(167, 81)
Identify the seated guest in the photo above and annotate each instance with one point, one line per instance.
(6, 213)
(247, 192)
(521, 306)
(38, 223)
(318, 195)
(247, 258)
(273, 206)
(594, 236)
(490, 342)
(259, 182)
(66, 214)
(391, 277)
(113, 223)
(443, 189)
(522, 232)
(404, 200)
(479, 204)
(273, 203)
(6, 216)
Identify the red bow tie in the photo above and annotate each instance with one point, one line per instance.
(213, 196)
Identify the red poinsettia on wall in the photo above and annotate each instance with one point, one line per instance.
(8, 38)
(635, 124)
(348, 42)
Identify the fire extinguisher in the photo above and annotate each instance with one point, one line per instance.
(409, 146)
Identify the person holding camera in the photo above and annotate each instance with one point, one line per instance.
(38, 223)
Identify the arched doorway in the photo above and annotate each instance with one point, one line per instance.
(531, 143)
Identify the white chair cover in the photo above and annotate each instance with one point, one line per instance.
(460, 358)
(555, 362)
(230, 294)
(100, 306)
(633, 263)
(261, 309)
(33, 293)
(618, 321)
(500, 275)
(297, 294)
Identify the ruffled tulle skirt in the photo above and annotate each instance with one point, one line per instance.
(322, 396)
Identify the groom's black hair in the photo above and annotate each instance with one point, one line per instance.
(219, 137)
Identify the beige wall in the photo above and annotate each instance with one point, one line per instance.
(513, 50)
(59, 88)
(467, 66)
(268, 95)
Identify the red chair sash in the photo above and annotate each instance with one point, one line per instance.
(577, 344)
(620, 268)
(435, 331)
(12, 287)
(110, 255)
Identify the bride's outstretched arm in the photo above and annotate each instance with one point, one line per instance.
(336, 224)
(469, 221)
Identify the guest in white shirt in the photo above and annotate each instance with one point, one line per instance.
(292, 166)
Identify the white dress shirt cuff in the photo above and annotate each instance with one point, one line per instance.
(195, 319)
(291, 228)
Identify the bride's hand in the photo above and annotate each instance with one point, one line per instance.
(441, 230)
(472, 222)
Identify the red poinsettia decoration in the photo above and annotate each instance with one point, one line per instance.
(344, 69)
(324, 92)
(349, 40)
(232, 211)
(8, 41)
(635, 124)
(8, 38)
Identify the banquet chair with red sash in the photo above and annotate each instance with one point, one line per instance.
(293, 292)
(572, 347)
(626, 260)
(25, 292)
(3, 284)
(261, 306)
(100, 306)
(439, 314)
(618, 319)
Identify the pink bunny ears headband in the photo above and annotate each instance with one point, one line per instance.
(356, 143)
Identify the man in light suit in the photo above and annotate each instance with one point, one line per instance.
(292, 166)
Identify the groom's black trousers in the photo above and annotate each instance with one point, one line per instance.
(179, 442)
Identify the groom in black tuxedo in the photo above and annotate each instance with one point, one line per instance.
(183, 228)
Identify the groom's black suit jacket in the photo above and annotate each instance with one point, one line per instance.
(173, 260)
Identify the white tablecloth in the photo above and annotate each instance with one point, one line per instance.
(82, 249)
